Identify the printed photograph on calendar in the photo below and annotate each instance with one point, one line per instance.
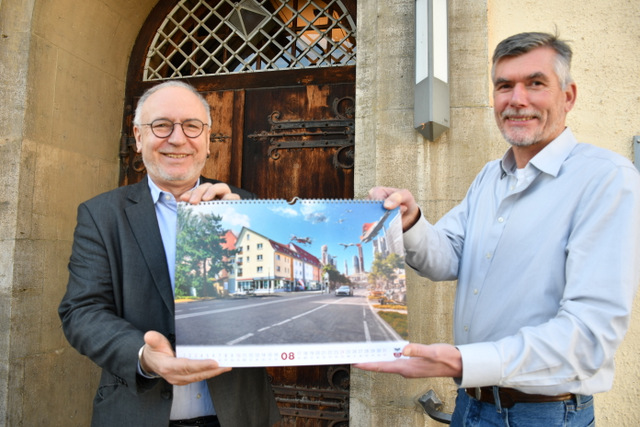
(277, 283)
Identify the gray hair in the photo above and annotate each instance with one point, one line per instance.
(522, 43)
(170, 83)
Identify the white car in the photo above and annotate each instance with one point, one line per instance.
(344, 291)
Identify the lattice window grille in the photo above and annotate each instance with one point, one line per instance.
(209, 37)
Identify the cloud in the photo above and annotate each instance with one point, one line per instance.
(234, 220)
(285, 211)
(316, 217)
(314, 212)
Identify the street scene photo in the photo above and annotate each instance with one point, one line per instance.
(268, 282)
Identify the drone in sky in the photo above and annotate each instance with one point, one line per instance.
(301, 240)
(346, 245)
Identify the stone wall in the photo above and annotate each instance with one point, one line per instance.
(62, 67)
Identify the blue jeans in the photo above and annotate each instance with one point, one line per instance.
(470, 412)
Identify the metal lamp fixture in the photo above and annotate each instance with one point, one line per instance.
(431, 105)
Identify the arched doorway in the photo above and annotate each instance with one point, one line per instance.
(280, 79)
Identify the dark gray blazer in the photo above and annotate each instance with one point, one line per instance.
(118, 289)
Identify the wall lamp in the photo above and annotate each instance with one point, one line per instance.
(431, 105)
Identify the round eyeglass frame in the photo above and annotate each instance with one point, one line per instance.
(186, 131)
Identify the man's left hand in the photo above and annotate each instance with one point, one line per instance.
(425, 361)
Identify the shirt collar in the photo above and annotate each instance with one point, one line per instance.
(550, 159)
(156, 192)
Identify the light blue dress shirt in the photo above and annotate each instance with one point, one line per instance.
(192, 400)
(547, 263)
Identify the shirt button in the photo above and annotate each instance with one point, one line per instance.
(488, 255)
(167, 197)
(466, 328)
(198, 396)
(475, 292)
(500, 219)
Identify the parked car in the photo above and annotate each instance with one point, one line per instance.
(344, 291)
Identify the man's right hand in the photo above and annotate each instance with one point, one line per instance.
(394, 197)
(158, 358)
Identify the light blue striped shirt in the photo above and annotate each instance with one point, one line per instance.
(192, 400)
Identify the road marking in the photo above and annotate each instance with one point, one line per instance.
(242, 338)
(367, 335)
(309, 312)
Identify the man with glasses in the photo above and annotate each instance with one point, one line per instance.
(119, 305)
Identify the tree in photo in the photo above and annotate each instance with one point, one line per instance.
(200, 254)
(384, 272)
(335, 278)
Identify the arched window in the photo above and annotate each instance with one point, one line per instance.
(220, 37)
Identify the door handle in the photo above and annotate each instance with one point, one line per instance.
(432, 405)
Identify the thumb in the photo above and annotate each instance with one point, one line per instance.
(409, 350)
(158, 342)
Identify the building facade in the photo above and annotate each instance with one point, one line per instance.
(265, 266)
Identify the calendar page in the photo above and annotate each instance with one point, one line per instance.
(277, 283)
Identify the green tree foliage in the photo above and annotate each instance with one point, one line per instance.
(199, 252)
(335, 278)
(383, 269)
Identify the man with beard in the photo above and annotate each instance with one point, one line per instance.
(544, 248)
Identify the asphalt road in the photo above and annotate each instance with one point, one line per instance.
(282, 318)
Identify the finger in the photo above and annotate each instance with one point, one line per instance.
(380, 193)
(394, 200)
(156, 349)
(184, 380)
(414, 350)
(187, 371)
(231, 196)
(215, 191)
(205, 192)
(186, 196)
(387, 367)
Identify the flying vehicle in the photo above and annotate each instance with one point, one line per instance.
(371, 230)
(301, 240)
(346, 245)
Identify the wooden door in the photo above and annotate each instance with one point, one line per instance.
(281, 135)
(292, 142)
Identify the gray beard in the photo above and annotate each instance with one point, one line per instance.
(521, 141)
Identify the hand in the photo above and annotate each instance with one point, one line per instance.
(158, 358)
(393, 198)
(425, 361)
(208, 191)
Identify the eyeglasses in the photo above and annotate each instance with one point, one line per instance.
(162, 128)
